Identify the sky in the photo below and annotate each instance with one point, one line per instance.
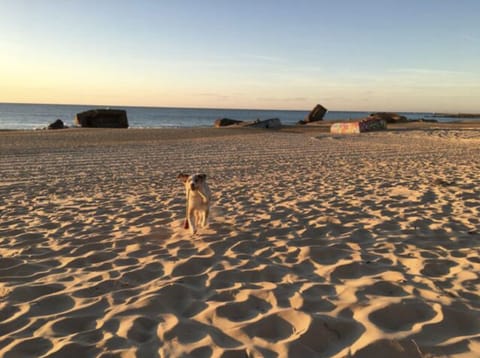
(369, 55)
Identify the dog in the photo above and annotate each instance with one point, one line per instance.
(198, 200)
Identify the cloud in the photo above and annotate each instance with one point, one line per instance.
(263, 58)
(217, 96)
(428, 71)
(471, 38)
(284, 99)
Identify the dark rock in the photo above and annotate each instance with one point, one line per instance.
(102, 118)
(223, 122)
(58, 124)
(388, 117)
(272, 123)
(315, 115)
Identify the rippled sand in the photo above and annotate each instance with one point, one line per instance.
(318, 245)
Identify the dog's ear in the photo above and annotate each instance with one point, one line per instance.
(203, 177)
(183, 177)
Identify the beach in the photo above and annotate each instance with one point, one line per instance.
(318, 245)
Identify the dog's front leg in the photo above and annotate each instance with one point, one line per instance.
(204, 197)
(185, 223)
(205, 218)
(191, 221)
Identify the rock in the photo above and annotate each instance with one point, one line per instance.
(223, 122)
(102, 118)
(272, 123)
(364, 125)
(388, 117)
(315, 115)
(58, 124)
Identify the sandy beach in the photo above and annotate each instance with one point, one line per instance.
(319, 245)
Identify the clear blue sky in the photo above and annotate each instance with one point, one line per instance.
(408, 55)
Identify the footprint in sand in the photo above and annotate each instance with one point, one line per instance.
(402, 316)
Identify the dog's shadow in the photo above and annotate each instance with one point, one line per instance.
(219, 222)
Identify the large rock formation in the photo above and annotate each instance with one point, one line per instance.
(388, 117)
(225, 122)
(272, 123)
(315, 115)
(102, 118)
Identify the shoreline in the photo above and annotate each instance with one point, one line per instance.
(416, 124)
(318, 244)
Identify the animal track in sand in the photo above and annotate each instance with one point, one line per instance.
(325, 336)
(384, 288)
(284, 325)
(243, 311)
(402, 316)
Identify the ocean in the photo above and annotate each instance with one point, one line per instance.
(37, 116)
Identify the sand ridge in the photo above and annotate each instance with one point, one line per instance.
(318, 245)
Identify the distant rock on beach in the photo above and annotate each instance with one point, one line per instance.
(271, 123)
(365, 125)
(58, 124)
(224, 122)
(388, 117)
(315, 115)
(102, 118)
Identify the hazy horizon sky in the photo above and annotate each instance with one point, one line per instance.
(393, 55)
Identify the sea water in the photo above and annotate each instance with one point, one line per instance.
(36, 116)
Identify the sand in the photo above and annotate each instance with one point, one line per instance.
(318, 245)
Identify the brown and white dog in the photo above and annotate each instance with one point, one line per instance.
(198, 200)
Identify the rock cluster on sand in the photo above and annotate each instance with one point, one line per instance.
(224, 122)
(58, 124)
(388, 117)
(315, 115)
(271, 123)
(102, 118)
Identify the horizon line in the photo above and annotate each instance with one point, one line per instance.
(213, 108)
